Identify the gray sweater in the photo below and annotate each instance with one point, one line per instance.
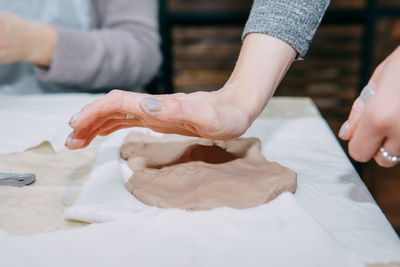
(293, 21)
(121, 51)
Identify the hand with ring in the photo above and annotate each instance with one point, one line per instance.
(373, 127)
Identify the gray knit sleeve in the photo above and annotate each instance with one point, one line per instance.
(122, 52)
(294, 22)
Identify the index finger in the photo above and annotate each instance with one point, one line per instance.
(110, 106)
(114, 101)
(369, 134)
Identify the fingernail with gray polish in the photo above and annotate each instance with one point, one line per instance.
(73, 118)
(68, 141)
(343, 129)
(152, 104)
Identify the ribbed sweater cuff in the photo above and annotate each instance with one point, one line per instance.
(294, 22)
(68, 61)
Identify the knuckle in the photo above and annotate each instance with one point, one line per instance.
(114, 93)
(95, 109)
(113, 99)
(87, 108)
(213, 120)
(357, 106)
(175, 110)
(180, 94)
(380, 120)
(378, 69)
(356, 155)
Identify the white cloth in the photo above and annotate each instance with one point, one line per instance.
(30, 120)
(331, 199)
(328, 188)
(280, 233)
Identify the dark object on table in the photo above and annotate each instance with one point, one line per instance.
(16, 179)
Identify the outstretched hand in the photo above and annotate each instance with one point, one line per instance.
(215, 115)
(223, 114)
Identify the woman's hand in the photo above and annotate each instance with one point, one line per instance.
(214, 115)
(375, 123)
(25, 40)
(223, 114)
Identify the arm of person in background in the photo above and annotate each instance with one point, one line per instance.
(375, 122)
(20, 41)
(122, 52)
(276, 32)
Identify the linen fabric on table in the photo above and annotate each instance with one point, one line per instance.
(330, 196)
(328, 187)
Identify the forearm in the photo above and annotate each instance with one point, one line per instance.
(25, 40)
(262, 63)
(104, 58)
(122, 51)
(42, 38)
(275, 34)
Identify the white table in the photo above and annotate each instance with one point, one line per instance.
(39, 207)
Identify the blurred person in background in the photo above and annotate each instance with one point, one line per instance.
(277, 32)
(51, 46)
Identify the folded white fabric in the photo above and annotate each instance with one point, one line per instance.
(50, 114)
(328, 188)
(280, 233)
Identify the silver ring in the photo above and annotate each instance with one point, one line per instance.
(366, 93)
(129, 116)
(389, 157)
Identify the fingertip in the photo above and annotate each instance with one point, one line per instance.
(344, 130)
(68, 141)
(73, 144)
(357, 156)
(348, 128)
(73, 120)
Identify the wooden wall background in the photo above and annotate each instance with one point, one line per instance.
(203, 58)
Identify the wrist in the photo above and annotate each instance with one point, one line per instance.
(42, 38)
(262, 63)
